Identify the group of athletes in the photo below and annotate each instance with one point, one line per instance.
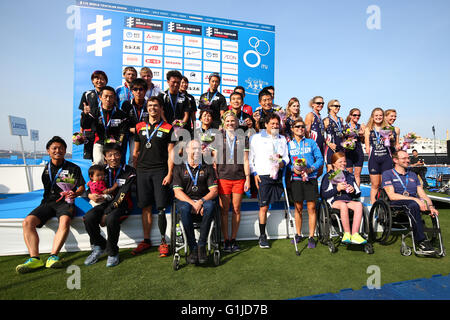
(229, 151)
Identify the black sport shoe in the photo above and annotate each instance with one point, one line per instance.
(426, 247)
(227, 246)
(202, 258)
(192, 257)
(263, 243)
(234, 246)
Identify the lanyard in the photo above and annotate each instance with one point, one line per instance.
(153, 133)
(191, 175)
(174, 107)
(321, 125)
(403, 184)
(115, 176)
(128, 91)
(140, 114)
(231, 146)
(214, 95)
(106, 125)
(338, 123)
(53, 181)
(377, 135)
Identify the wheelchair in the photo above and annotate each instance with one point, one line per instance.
(330, 230)
(178, 239)
(388, 221)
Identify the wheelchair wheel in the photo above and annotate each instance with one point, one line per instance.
(216, 257)
(176, 262)
(380, 222)
(324, 222)
(331, 246)
(405, 250)
(368, 248)
(173, 224)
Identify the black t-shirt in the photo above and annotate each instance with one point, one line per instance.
(206, 180)
(417, 159)
(181, 105)
(67, 169)
(135, 114)
(91, 98)
(216, 102)
(115, 120)
(232, 170)
(155, 157)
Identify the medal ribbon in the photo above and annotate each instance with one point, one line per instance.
(111, 182)
(153, 133)
(403, 184)
(53, 181)
(191, 175)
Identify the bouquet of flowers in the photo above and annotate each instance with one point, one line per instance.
(300, 165)
(177, 125)
(281, 113)
(66, 183)
(206, 139)
(337, 177)
(349, 144)
(110, 140)
(408, 140)
(275, 167)
(350, 133)
(79, 138)
(385, 133)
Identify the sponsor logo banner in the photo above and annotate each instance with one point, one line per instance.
(222, 33)
(230, 68)
(230, 57)
(173, 63)
(153, 37)
(193, 41)
(195, 53)
(211, 55)
(173, 39)
(230, 45)
(153, 48)
(184, 28)
(132, 35)
(190, 64)
(173, 51)
(153, 61)
(193, 76)
(211, 43)
(133, 22)
(157, 74)
(131, 59)
(211, 66)
(229, 80)
(132, 47)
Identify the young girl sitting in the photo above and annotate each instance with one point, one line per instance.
(340, 194)
(97, 184)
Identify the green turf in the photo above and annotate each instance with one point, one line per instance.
(253, 273)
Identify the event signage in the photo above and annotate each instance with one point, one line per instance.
(112, 37)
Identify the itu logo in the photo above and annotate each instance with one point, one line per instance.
(99, 35)
(261, 49)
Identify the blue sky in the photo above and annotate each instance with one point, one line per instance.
(322, 48)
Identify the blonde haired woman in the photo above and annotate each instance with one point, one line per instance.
(380, 158)
(334, 128)
(292, 114)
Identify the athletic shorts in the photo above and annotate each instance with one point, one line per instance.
(377, 165)
(231, 186)
(354, 158)
(150, 191)
(269, 191)
(48, 210)
(304, 190)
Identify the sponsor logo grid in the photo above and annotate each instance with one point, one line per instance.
(194, 51)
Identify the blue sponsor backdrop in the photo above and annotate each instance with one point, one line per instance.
(113, 36)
